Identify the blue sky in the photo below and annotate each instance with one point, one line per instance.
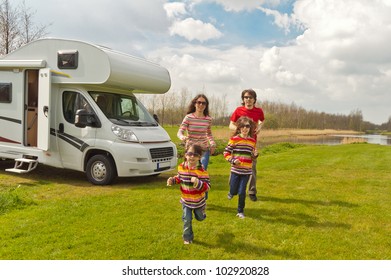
(326, 55)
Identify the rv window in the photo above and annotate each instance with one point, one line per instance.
(71, 102)
(5, 92)
(67, 59)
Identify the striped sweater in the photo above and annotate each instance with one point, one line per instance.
(192, 194)
(242, 149)
(198, 130)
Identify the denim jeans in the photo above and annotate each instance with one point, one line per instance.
(237, 185)
(252, 187)
(187, 218)
(205, 162)
(205, 159)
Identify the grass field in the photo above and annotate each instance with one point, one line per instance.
(315, 202)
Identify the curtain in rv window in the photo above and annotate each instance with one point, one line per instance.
(5, 92)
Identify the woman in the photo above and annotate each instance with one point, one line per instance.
(197, 125)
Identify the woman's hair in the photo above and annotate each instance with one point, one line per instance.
(241, 122)
(192, 109)
(251, 92)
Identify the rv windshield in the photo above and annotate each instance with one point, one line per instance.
(123, 110)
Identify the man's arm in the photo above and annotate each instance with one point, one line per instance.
(232, 125)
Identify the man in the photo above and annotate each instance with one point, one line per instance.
(249, 98)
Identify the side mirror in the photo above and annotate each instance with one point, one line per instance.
(156, 118)
(84, 118)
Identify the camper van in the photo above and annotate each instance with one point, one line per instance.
(71, 104)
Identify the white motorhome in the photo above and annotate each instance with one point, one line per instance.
(70, 104)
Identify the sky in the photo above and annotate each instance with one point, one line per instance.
(329, 56)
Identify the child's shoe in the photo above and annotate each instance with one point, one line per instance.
(240, 215)
(230, 196)
(186, 242)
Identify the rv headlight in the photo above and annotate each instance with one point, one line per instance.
(124, 134)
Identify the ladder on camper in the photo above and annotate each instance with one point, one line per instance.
(23, 165)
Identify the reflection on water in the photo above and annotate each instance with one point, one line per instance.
(330, 139)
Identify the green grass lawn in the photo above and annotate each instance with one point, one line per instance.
(315, 202)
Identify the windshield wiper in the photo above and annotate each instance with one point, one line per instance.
(120, 120)
(143, 123)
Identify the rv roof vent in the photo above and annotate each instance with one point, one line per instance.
(67, 59)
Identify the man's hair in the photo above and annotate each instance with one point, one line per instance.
(251, 92)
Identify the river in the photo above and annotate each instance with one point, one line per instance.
(331, 139)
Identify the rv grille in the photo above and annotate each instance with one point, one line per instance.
(157, 153)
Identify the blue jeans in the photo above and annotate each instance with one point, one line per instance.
(205, 162)
(237, 185)
(205, 159)
(187, 218)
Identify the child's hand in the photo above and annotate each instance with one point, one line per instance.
(194, 180)
(255, 153)
(236, 162)
(169, 181)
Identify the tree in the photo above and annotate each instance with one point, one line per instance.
(28, 30)
(9, 29)
(17, 27)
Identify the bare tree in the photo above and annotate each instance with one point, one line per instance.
(28, 30)
(9, 28)
(17, 27)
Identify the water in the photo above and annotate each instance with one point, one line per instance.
(331, 139)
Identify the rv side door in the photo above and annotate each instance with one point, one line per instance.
(44, 111)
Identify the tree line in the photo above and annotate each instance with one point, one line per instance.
(172, 107)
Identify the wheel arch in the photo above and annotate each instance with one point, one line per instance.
(94, 152)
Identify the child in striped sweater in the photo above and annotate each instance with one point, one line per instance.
(240, 152)
(194, 182)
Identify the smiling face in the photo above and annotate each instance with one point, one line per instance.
(200, 105)
(192, 157)
(245, 129)
(248, 100)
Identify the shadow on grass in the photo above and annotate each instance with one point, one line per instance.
(282, 216)
(45, 175)
(308, 202)
(231, 244)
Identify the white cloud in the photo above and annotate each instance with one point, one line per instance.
(192, 29)
(283, 21)
(175, 9)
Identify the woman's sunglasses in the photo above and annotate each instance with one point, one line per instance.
(201, 103)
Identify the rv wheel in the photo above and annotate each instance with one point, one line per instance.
(100, 170)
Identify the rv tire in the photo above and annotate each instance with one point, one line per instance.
(100, 170)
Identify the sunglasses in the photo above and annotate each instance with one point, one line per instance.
(248, 97)
(201, 103)
(191, 154)
(246, 126)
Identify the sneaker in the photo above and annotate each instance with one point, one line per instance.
(186, 242)
(253, 197)
(230, 196)
(240, 215)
